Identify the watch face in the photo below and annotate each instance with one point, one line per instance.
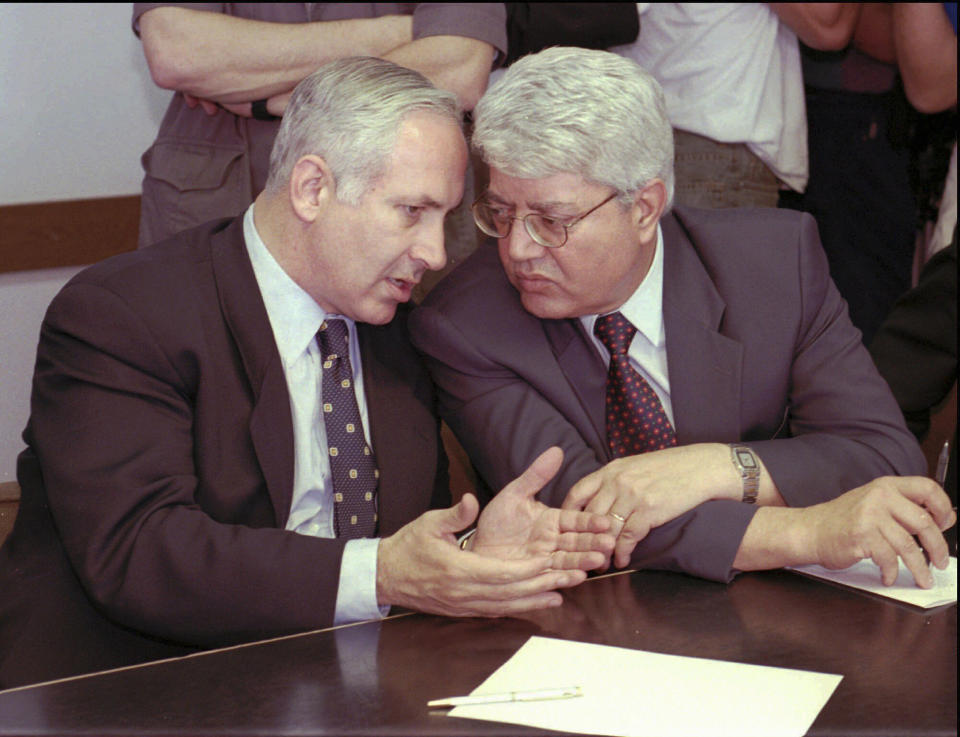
(745, 459)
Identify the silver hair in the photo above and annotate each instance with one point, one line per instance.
(580, 111)
(349, 112)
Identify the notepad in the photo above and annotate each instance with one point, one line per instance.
(865, 575)
(634, 693)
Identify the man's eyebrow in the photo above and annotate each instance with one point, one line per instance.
(546, 205)
(421, 201)
(428, 202)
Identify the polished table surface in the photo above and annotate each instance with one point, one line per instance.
(899, 664)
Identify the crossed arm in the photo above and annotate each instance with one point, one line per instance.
(221, 61)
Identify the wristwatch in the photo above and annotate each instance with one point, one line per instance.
(748, 467)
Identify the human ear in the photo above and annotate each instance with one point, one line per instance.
(649, 203)
(311, 187)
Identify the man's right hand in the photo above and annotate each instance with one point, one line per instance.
(884, 520)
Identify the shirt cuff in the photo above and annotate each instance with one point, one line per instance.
(357, 590)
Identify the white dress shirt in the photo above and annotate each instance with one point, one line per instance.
(648, 350)
(295, 319)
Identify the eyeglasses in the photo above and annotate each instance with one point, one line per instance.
(495, 221)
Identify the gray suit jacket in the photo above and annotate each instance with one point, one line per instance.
(159, 469)
(759, 348)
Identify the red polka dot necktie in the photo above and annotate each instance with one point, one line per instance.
(636, 421)
(352, 464)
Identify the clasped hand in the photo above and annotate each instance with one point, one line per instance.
(522, 552)
(645, 491)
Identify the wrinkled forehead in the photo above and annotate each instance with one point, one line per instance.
(555, 190)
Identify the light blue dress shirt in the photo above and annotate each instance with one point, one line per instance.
(295, 319)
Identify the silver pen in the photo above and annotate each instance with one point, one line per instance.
(542, 694)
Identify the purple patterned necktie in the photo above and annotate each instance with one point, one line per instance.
(636, 421)
(352, 464)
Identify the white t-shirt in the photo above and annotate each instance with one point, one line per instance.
(730, 72)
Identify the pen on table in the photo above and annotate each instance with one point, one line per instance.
(542, 694)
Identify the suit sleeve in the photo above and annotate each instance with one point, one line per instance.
(845, 428)
(113, 426)
(482, 21)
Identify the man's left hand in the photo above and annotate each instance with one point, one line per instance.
(644, 491)
(514, 525)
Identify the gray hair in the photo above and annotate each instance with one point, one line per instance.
(579, 111)
(349, 112)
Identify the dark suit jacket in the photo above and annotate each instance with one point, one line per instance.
(759, 350)
(159, 469)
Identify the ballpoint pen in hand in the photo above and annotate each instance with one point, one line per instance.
(940, 476)
(943, 460)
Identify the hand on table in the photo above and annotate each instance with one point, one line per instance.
(644, 491)
(879, 521)
(524, 551)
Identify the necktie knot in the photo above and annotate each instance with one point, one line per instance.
(615, 332)
(333, 337)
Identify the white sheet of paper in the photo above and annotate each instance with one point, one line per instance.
(633, 693)
(866, 575)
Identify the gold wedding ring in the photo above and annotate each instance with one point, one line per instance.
(617, 517)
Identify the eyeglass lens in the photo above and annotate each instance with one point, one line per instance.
(494, 222)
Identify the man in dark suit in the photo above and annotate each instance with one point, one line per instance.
(685, 362)
(231, 437)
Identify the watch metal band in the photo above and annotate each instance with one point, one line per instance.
(748, 467)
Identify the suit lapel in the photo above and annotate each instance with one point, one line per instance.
(704, 366)
(585, 373)
(403, 429)
(271, 425)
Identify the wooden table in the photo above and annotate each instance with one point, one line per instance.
(899, 664)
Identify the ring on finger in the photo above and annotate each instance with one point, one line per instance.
(617, 517)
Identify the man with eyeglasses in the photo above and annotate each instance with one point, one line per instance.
(698, 368)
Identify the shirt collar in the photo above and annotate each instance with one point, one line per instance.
(294, 315)
(644, 308)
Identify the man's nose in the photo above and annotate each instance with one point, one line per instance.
(430, 248)
(520, 246)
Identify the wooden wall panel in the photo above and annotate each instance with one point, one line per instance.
(45, 235)
(9, 502)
